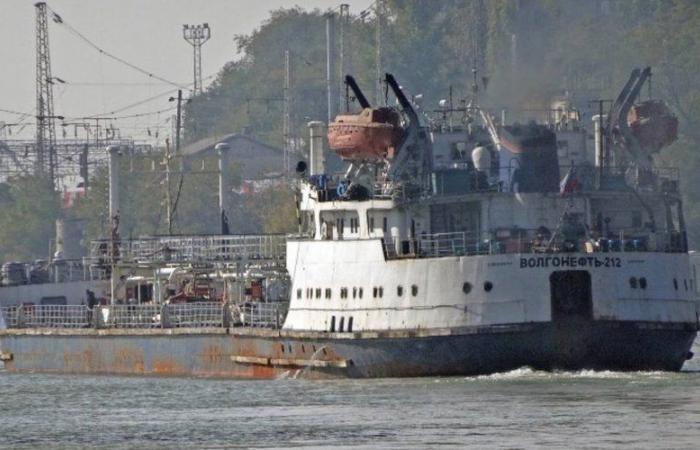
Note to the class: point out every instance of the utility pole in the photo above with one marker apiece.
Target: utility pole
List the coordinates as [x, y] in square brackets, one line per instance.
[379, 13]
[197, 35]
[168, 200]
[330, 62]
[45, 125]
[179, 121]
[286, 113]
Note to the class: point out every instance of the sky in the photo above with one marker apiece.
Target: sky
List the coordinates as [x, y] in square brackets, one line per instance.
[146, 33]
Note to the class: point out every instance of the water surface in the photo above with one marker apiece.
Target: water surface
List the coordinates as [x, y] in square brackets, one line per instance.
[518, 409]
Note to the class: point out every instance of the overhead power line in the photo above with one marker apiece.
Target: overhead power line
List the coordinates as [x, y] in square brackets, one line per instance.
[59, 20]
[19, 113]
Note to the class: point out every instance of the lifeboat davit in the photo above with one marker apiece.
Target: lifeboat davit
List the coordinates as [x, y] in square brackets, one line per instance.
[371, 135]
[653, 124]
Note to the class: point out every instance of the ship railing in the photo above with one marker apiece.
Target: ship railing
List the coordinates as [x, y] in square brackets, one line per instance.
[194, 315]
[46, 316]
[261, 314]
[55, 271]
[129, 316]
[195, 248]
[519, 240]
[144, 316]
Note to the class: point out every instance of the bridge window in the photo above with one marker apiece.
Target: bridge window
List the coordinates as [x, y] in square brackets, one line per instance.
[374, 292]
[381, 291]
[350, 324]
[643, 283]
[318, 292]
[414, 290]
[371, 224]
[341, 325]
[332, 324]
[344, 292]
[328, 293]
[299, 293]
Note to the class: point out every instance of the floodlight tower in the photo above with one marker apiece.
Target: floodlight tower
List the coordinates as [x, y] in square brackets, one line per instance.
[197, 35]
[45, 119]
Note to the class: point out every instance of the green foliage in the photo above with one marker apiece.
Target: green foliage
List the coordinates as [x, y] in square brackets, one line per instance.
[529, 50]
[29, 210]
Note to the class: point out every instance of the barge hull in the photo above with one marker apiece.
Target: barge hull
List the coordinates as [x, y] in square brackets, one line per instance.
[266, 354]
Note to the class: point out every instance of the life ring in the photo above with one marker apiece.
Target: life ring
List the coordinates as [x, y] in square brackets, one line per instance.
[342, 189]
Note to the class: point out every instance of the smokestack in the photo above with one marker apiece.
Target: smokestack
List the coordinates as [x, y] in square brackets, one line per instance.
[317, 161]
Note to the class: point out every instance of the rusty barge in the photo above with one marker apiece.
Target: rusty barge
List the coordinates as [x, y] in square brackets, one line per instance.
[445, 248]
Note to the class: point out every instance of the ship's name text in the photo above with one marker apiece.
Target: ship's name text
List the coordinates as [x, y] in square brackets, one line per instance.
[569, 261]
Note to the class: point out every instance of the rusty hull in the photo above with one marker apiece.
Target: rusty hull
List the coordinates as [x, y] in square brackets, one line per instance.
[258, 353]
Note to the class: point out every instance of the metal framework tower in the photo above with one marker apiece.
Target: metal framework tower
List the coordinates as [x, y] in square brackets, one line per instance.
[45, 123]
[197, 35]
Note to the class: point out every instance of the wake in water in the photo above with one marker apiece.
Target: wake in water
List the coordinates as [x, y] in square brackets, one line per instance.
[527, 373]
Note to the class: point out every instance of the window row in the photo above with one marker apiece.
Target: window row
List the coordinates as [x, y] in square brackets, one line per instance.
[341, 325]
[356, 292]
[687, 284]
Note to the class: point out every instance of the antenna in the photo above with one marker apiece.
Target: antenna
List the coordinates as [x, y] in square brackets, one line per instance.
[197, 35]
[45, 124]
[286, 114]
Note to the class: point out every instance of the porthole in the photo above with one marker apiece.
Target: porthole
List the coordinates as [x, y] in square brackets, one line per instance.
[466, 287]
[399, 291]
[633, 283]
[643, 283]
[488, 286]
[414, 290]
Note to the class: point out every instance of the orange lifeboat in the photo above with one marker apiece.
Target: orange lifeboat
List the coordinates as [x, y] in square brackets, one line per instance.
[371, 135]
